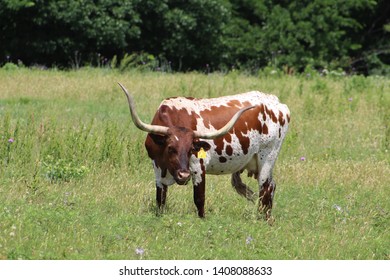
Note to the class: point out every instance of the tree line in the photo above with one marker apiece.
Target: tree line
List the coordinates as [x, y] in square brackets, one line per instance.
[203, 35]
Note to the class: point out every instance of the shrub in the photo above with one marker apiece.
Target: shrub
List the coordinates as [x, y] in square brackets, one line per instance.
[139, 61]
[9, 66]
[62, 170]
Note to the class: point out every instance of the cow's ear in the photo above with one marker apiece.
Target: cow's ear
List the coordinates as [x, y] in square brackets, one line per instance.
[201, 144]
[158, 139]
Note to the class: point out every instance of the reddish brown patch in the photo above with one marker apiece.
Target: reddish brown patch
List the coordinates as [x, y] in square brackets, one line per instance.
[219, 145]
[246, 104]
[238, 104]
[265, 129]
[216, 117]
[245, 141]
[228, 138]
[220, 142]
[288, 118]
[262, 109]
[281, 119]
[273, 116]
[266, 110]
[229, 150]
[167, 116]
[248, 121]
[219, 116]
[234, 103]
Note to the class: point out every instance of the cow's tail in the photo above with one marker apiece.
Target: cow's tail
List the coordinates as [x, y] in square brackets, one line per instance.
[241, 188]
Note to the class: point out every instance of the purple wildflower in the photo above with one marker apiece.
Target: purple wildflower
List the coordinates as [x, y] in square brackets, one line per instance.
[248, 240]
[303, 158]
[350, 99]
[139, 251]
[11, 140]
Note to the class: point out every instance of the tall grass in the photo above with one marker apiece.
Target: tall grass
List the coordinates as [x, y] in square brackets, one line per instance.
[76, 183]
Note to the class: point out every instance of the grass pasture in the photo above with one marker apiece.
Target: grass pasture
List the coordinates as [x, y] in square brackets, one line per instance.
[76, 183]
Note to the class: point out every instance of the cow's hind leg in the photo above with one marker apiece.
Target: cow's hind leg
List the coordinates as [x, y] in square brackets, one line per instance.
[161, 198]
[241, 188]
[266, 195]
[267, 185]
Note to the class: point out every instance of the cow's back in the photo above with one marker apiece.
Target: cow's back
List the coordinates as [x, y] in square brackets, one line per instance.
[210, 114]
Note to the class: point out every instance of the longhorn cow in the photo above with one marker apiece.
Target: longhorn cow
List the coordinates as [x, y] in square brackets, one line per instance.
[190, 137]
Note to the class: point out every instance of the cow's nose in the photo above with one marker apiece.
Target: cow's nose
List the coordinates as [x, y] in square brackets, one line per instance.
[183, 176]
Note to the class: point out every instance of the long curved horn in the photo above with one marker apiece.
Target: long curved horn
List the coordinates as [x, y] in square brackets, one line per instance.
[154, 129]
[222, 131]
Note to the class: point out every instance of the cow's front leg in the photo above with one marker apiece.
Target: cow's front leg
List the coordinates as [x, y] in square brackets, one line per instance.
[199, 197]
[199, 181]
[161, 197]
[198, 172]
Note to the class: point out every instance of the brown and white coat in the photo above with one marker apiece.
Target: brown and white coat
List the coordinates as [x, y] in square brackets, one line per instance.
[252, 143]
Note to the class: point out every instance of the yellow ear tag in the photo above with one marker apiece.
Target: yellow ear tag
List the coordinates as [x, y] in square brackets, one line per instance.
[202, 153]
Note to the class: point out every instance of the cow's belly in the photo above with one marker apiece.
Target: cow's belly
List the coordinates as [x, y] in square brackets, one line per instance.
[212, 165]
[238, 159]
[228, 165]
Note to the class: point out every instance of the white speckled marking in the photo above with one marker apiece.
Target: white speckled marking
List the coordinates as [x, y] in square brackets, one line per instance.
[167, 180]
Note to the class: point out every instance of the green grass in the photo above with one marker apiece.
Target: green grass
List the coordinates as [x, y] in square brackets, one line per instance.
[76, 182]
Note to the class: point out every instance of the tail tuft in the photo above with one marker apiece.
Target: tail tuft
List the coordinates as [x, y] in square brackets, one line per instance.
[241, 188]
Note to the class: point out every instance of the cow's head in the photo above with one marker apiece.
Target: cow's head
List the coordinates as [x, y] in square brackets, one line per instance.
[176, 148]
[177, 144]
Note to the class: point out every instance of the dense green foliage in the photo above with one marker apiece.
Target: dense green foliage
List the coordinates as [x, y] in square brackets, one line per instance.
[203, 35]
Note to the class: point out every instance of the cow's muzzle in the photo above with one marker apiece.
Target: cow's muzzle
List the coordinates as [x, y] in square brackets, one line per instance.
[182, 177]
